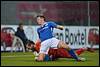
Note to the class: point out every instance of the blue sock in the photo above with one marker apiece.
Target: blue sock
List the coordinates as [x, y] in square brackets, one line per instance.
[72, 53]
[46, 58]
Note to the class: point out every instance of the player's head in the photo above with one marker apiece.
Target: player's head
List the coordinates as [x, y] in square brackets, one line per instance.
[31, 45]
[40, 19]
[21, 26]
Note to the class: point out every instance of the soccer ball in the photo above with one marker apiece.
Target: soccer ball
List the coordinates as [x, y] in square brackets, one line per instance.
[35, 53]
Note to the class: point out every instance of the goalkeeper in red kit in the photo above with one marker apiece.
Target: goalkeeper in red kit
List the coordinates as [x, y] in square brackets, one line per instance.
[53, 53]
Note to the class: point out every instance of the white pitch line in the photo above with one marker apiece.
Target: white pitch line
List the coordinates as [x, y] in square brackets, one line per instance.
[18, 56]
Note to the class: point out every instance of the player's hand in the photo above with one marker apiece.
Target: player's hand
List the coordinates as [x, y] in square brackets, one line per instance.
[60, 27]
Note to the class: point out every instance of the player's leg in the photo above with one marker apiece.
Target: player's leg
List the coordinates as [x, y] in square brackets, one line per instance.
[80, 51]
[53, 53]
[41, 53]
[43, 50]
[63, 53]
[44, 57]
[66, 54]
[41, 57]
[61, 44]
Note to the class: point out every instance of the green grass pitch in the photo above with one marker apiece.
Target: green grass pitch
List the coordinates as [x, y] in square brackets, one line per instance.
[27, 59]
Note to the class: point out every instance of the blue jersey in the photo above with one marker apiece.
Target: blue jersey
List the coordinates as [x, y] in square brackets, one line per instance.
[46, 31]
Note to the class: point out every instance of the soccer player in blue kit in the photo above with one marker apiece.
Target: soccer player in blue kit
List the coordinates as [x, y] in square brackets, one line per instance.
[45, 33]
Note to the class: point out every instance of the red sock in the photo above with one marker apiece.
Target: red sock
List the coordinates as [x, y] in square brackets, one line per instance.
[80, 51]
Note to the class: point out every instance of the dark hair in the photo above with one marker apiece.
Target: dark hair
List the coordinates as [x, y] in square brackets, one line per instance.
[20, 24]
[41, 16]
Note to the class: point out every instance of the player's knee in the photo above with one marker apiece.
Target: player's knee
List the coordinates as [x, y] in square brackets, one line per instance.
[63, 45]
[40, 57]
[59, 44]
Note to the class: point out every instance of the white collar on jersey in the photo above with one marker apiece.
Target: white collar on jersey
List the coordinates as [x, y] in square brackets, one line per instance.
[43, 24]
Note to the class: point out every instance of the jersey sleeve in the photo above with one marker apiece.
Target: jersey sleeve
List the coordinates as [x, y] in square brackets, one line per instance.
[53, 24]
[38, 44]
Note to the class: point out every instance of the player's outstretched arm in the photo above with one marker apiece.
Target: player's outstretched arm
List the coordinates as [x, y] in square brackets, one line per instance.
[60, 27]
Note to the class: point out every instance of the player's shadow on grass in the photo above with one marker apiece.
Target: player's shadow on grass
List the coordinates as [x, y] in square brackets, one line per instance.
[70, 60]
[28, 60]
[58, 60]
